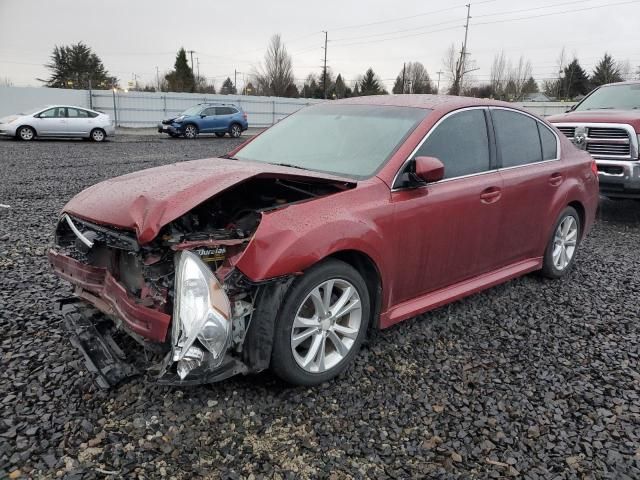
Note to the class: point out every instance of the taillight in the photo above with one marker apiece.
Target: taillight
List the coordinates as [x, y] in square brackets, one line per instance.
[244, 115]
[594, 168]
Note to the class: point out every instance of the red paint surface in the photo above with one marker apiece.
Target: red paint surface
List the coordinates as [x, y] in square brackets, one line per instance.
[431, 244]
[631, 117]
[100, 288]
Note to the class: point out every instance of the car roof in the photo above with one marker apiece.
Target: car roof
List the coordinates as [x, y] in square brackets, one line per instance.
[432, 102]
[69, 106]
[626, 82]
[219, 104]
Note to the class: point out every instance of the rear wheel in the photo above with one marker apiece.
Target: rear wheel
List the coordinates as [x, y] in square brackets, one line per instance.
[190, 131]
[561, 250]
[26, 133]
[97, 135]
[235, 130]
[323, 321]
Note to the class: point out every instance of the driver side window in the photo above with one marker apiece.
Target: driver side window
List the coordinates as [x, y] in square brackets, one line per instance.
[209, 111]
[461, 143]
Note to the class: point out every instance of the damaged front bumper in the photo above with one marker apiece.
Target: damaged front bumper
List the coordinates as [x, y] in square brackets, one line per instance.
[95, 336]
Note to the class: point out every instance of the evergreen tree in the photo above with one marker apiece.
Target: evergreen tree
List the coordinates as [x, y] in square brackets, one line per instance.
[340, 89]
[530, 86]
[398, 87]
[370, 84]
[76, 66]
[575, 81]
[228, 88]
[181, 79]
[606, 71]
[249, 89]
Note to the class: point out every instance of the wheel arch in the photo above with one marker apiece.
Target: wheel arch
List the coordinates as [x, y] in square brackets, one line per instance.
[370, 272]
[579, 207]
[35, 131]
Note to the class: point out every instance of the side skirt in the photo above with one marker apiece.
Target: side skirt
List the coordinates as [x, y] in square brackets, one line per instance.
[432, 300]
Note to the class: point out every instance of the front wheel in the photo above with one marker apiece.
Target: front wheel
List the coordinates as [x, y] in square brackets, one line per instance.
[190, 132]
[561, 250]
[323, 321]
[235, 131]
[26, 133]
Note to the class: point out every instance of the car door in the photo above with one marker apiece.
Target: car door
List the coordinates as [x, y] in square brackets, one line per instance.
[223, 118]
[208, 120]
[447, 231]
[78, 122]
[51, 122]
[527, 152]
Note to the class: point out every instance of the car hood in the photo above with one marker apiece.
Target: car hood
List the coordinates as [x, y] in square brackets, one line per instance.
[631, 117]
[8, 119]
[147, 200]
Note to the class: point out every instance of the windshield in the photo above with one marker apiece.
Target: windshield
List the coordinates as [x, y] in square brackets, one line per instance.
[195, 110]
[619, 97]
[351, 140]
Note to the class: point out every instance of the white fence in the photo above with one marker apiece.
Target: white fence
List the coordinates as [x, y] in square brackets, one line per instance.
[146, 109]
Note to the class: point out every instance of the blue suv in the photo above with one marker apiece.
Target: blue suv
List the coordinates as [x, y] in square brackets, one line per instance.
[218, 118]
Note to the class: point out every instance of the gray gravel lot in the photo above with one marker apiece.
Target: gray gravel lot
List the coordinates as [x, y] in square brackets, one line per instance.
[534, 378]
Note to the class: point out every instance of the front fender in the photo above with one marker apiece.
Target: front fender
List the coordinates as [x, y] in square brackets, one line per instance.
[290, 240]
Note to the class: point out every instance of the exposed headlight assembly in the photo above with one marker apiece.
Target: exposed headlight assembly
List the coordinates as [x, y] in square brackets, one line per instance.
[178, 119]
[202, 312]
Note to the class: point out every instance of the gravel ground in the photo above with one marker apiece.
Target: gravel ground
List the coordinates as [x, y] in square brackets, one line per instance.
[534, 378]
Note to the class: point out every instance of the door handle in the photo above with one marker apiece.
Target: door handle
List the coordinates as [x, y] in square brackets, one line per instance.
[490, 195]
[556, 179]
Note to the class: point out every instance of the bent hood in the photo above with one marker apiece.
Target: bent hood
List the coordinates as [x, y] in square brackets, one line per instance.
[630, 117]
[147, 200]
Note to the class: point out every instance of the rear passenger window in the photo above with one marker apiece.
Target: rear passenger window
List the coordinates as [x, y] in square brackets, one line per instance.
[224, 111]
[517, 138]
[461, 143]
[549, 143]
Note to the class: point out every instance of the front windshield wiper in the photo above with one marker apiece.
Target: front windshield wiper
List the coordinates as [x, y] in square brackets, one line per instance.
[289, 165]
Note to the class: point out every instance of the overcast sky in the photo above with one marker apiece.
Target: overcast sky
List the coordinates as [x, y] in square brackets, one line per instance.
[135, 37]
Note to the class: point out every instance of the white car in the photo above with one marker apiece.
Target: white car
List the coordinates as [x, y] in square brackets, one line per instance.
[58, 121]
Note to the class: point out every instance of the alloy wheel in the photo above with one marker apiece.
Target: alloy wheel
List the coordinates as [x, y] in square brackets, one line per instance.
[97, 135]
[565, 241]
[326, 325]
[190, 131]
[235, 131]
[26, 133]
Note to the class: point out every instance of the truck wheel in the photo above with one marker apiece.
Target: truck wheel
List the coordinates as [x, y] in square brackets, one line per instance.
[561, 250]
[322, 323]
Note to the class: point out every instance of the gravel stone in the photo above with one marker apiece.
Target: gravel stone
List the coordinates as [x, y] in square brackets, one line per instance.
[534, 378]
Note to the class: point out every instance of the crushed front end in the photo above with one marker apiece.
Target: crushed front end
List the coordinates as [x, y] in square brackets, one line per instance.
[176, 308]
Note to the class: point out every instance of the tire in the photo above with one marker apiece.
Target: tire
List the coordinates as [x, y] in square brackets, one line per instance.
[323, 348]
[190, 131]
[26, 133]
[97, 135]
[560, 254]
[235, 130]
[219, 134]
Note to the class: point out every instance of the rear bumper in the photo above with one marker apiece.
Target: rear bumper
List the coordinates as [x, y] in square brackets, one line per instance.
[110, 130]
[619, 178]
[97, 286]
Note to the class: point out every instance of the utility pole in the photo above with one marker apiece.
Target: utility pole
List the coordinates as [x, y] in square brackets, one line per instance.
[324, 71]
[463, 53]
[198, 64]
[235, 80]
[404, 66]
[191, 52]
[158, 77]
[439, 73]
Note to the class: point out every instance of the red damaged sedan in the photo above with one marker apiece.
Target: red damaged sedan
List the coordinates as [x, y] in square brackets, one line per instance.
[344, 217]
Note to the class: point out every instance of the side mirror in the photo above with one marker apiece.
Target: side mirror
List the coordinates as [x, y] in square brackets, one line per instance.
[571, 108]
[429, 169]
[202, 115]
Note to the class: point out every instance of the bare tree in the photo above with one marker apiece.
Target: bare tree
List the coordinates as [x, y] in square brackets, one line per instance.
[498, 76]
[517, 78]
[456, 66]
[6, 82]
[275, 76]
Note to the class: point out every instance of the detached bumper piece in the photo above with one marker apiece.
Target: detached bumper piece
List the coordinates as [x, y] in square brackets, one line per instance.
[102, 356]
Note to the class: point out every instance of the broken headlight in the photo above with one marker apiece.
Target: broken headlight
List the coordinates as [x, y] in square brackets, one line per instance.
[202, 312]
